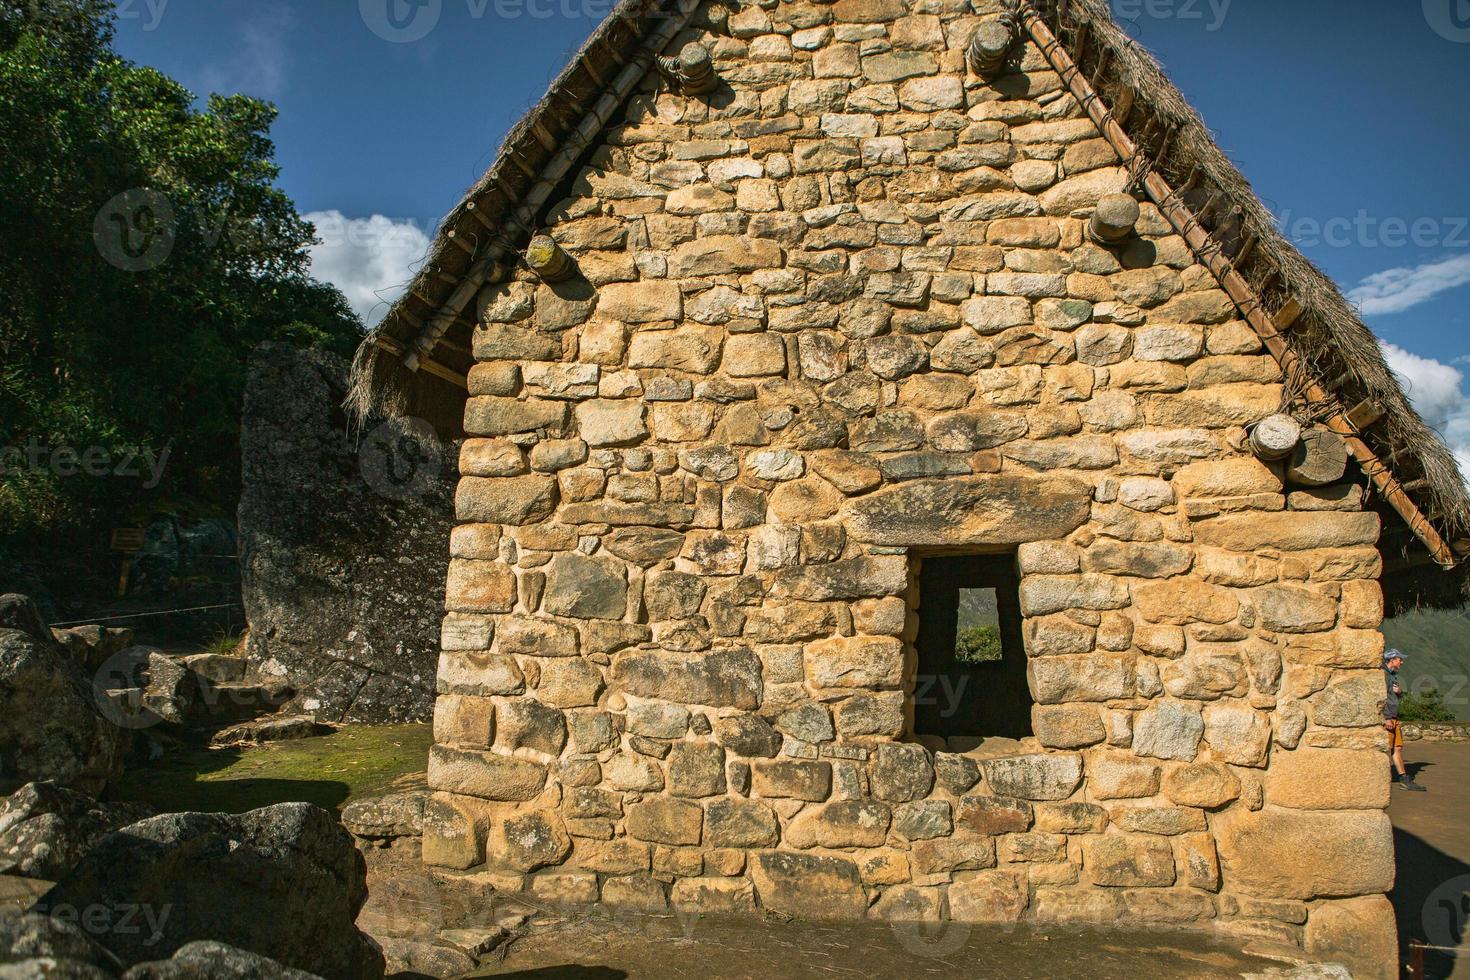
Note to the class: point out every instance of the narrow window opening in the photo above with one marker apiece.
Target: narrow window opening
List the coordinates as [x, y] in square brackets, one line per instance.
[971, 679]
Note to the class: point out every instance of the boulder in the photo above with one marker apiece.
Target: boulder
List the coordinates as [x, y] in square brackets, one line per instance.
[342, 542]
[50, 723]
[30, 938]
[284, 882]
[45, 829]
[206, 960]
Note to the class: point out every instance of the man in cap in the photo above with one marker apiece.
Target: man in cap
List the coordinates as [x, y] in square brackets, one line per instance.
[1392, 661]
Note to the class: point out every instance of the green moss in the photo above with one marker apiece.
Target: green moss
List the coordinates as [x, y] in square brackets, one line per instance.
[329, 770]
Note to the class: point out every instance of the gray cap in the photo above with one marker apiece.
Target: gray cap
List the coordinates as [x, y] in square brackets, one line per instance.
[1392, 654]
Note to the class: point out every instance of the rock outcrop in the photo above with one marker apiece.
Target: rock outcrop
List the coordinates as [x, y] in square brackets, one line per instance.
[343, 544]
[45, 829]
[50, 723]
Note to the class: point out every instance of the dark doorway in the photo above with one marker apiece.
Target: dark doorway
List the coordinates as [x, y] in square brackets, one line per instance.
[972, 661]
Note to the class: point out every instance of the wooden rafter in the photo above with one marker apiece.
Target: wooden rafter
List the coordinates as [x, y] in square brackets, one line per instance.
[1240, 291]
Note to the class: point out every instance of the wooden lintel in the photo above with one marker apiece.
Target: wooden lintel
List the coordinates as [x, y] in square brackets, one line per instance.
[1366, 414]
[1240, 291]
[1288, 315]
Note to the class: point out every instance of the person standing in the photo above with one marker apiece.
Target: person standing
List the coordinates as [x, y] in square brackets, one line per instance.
[1392, 661]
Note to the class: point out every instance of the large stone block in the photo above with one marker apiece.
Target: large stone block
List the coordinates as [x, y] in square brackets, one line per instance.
[991, 815]
[1358, 932]
[640, 302]
[792, 779]
[666, 820]
[989, 896]
[1130, 861]
[585, 588]
[719, 678]
[1328, 779]
[1034, 777]
[740, 823]
[1168, 730]
[487, 775]
[1090, 677]
[1304, 854]
[854, 578]
[527, 841]
[1292, 609]
[808, 886]
[1000, 509]
[1288, 531]
[490, 416]
[1185, 601]
[480, 586]
[855, 661]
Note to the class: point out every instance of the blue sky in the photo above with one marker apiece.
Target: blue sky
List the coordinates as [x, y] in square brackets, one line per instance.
[1347, 115]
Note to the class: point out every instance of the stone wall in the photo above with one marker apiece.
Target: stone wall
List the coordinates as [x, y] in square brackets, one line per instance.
[837, 318]
[1457, 731]
[342, 544]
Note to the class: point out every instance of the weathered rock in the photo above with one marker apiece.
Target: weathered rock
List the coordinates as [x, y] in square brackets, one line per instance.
[808, 886]
[583, 587]
[721, 678]
[50, 725]
[215, 961]
[284, 882]
[386, 817]
[1034, 777]
[342, 542]
[45, 829]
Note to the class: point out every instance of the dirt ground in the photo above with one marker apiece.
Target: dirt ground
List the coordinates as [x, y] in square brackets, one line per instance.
[596, 948]
[1432, 835]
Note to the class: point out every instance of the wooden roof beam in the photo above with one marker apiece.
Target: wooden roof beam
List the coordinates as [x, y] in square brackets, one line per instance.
[1188, 226]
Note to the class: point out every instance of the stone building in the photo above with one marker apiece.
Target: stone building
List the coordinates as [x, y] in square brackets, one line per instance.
[786, 335]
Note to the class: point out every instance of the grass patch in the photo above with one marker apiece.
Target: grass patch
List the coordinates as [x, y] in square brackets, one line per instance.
[329, 770]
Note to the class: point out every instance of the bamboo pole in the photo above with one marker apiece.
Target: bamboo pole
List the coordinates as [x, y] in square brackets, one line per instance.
[1236, 287]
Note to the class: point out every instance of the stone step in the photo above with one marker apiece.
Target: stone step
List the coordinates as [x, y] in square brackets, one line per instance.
[217, 667]
[277, 728]
[222, 703]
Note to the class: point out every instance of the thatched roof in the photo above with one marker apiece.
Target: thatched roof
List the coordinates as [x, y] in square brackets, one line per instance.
[1351, 382]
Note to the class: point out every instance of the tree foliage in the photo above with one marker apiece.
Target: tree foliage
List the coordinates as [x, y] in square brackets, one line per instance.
[126, 321]
[1426, 707]
[977, 644]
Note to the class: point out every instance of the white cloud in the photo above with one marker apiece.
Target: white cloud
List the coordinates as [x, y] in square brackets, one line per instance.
[257, 64]
[1396, 290]
[372, 260]
[1437, 391]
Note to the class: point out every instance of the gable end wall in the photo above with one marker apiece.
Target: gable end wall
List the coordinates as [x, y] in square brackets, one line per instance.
[840, 315]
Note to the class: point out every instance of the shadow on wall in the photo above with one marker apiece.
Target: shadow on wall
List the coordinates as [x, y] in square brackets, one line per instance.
[1430, 900]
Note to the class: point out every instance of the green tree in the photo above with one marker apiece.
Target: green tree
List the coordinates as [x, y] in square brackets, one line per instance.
[144, 251]
[977, 644]
[1426, 707]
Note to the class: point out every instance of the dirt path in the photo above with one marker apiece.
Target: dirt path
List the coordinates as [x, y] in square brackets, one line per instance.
[1432, 835]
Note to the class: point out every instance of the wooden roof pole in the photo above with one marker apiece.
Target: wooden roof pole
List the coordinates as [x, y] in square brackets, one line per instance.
[490, 266]
[1234, 284]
